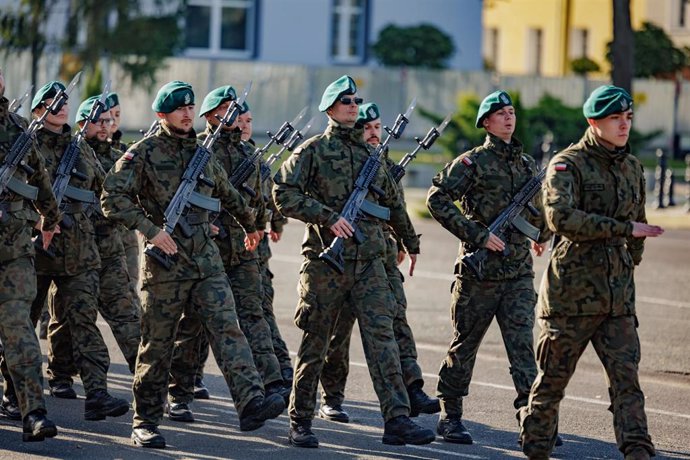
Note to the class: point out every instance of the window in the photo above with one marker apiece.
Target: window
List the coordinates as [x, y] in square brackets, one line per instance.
[534, 51]
[578, 43]
[220, 28]
[491, 48]
[348, 31]
[684, 14]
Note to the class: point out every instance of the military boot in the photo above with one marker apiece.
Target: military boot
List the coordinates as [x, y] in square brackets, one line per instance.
[200, 390]
[100, 404]
[334, 413]
[280, 389]
[301, 435]
[9, 407]
[62, 390]
[148, 436]
[452, 430]
[638, 453]
[402, 430]
[179, 412]
[37, 427]
[420, 402]
[261, 409]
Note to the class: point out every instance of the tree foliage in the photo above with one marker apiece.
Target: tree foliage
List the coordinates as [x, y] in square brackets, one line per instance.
[583, 66]
[416, 46]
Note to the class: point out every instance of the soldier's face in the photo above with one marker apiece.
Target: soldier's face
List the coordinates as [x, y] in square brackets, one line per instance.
[372, 132]
[101, 129]
[115, 115]
[53, 122]
[180, 120]
[345, 114]
[613, 130]
[244, 122]
[218, 112]
[501, 123]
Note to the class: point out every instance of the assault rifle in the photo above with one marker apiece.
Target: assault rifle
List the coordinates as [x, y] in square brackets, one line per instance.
[152, 129]
[357, 204]
[398, 171]
[185, 196]
[288, 145]
[508, 219]
[21, 146]
[239, 176]
[17, 103]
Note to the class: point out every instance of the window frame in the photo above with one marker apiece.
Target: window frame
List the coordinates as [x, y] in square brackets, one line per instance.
[214, 49]
[343, 37]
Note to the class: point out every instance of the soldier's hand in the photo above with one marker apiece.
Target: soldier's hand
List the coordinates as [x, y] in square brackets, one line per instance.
[165, 243]
[342, 228]
[275, 236]
[494, 243]
[538, 248]
[251, 241]
[641, 230]
[215, 230]
[401, 256]
[413, 262]
[48, 236]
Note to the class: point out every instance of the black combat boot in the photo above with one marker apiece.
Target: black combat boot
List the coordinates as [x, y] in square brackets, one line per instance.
[100, 404]
[637, 453]
[401, 430]
[279, 388]
[148, 436]
[37, 427]
[62, 390]
[334, 413]
[179, 412]
[420, 402]
[452, 430]
[301, 435]
[200, 390]
[9, 407]
[288, 375]
[261, 409]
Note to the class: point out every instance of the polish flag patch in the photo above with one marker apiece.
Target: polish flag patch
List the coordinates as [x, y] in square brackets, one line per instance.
[560, 167]
[466, 161]
[128, 156]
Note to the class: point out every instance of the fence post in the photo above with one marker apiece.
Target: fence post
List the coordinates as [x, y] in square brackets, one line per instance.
[660, 178]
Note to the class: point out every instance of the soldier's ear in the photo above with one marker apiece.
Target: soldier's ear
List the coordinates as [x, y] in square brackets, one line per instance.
[592, 122]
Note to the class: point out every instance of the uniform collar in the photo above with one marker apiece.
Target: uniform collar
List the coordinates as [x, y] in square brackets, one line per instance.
[164, 131]
[233, 136]
[56, 140]
[509, 151]
[596, 149]
[353, 135]
[102, 148]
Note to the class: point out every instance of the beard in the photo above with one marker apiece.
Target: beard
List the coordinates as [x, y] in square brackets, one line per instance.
[179, 131]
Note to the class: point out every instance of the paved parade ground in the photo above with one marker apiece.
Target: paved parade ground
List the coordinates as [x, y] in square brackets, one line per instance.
[663, 294]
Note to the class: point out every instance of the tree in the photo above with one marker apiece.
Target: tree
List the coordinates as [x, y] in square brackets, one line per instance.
[621, 55]
[655, 54]
[583, 66]
[416, 46]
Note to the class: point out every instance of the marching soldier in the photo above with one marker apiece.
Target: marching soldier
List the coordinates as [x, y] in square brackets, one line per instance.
[336, 366]
[21, 358]
[313, 186]
[484, 181]
[594, 197]
[136, 192]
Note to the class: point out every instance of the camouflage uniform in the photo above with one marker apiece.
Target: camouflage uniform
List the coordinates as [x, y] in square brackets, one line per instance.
[21, 359]
[483, 181]
[74, 271]
[591, 196]
[337, 364]
[196, 285]
[115, 304]
[242, 269]
[313, 186]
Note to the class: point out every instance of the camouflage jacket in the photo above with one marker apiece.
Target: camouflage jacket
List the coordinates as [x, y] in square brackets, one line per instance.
[314, 184]
[108, 234]
[591, 197]
[139, 188]
[484, 181]
[276, 219]
[75, 248]
[230, 152]
[17, 215]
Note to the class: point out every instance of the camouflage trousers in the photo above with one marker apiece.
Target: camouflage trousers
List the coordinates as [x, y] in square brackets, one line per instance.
[131, 242]
[474, 304]
[323, 295]
[337, 364]
[74, 306]
[117, 308]
[245, 281]
[562, 341]
[21, 357]
[209, 301]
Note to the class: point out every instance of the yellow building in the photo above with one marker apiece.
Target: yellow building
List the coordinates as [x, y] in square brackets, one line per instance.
[542, 37]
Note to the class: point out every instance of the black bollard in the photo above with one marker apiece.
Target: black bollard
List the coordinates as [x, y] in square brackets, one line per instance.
[660, 178]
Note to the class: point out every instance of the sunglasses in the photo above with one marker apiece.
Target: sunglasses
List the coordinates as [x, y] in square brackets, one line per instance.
[348, 100]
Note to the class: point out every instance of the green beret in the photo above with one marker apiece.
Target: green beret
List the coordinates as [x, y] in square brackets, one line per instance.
[216, 98]
[173, 95]
[245, 108]
[368, 113]
[606, 100]
[492, 103]
[47, 91]
[113, 100]
[85, 107]
[343, 85]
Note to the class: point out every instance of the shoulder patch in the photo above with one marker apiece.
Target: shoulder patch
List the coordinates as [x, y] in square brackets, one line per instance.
[128, 155]
[560, 167]
[467, 161]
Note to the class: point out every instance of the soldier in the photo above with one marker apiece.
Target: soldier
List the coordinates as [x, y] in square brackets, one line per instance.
[114, 303]
[136, 192]
[594, 197]
[73, 269]
[313, 186]
[241, 266]
[336, 366]
[21, 358]
[484, 180]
